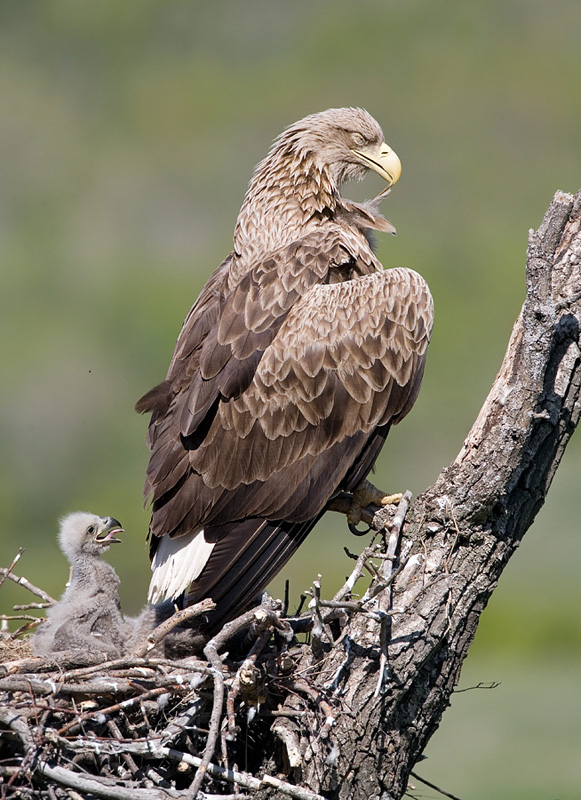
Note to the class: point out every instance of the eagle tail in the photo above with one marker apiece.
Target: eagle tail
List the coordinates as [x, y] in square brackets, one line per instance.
[245, 558]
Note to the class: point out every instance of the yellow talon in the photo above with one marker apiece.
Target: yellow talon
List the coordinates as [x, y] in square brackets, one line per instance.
[365, 495]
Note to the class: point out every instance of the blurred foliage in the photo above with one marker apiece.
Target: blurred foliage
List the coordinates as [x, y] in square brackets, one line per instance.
[127, 138]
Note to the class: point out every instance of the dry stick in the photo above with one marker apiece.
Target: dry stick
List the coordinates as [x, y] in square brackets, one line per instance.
[15, 560]
[301, 686]
[41, 664]
[17, 723]
[319, 627]
[387, 574]
[185, 614]
[128, 662]
[433, 786]
[116, 707]
[150, 749]
[259, 615]
[100, 786]
[136, 771]
[128, 759]
[54, 684]
[8, 574]
[245, 669]
[347, 587]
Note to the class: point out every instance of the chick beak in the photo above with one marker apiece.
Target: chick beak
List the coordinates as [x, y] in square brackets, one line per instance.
[107, 534]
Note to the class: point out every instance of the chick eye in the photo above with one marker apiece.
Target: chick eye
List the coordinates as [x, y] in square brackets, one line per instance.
[91, 529]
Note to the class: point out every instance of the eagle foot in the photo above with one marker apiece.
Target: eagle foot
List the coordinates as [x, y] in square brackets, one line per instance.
[365, 495]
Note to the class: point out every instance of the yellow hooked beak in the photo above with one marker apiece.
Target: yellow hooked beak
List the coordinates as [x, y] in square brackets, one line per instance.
[383, 160]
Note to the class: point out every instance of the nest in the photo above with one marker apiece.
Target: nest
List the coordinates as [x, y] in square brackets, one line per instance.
[204, 726]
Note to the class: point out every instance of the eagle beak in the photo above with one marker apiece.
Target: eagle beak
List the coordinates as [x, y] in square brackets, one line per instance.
[383, 160]
[107, 534]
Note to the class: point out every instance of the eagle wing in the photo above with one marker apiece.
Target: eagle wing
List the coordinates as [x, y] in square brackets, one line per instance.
[281, 392]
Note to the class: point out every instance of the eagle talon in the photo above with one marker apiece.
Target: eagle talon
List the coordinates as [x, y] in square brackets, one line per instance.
[366, 495]
[354, 530]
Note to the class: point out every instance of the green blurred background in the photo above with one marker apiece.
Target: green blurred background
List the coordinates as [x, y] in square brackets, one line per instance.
[128, 134]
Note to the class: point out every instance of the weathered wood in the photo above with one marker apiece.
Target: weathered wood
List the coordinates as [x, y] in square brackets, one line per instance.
[464, 529]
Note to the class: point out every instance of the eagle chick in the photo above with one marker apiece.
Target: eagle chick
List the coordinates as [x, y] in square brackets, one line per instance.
[88, 615]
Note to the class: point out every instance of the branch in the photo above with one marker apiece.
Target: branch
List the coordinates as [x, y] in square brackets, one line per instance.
[6, 573]
[177, 618]
[462, 532]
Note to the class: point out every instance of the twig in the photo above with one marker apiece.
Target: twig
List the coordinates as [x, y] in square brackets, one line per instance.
[481, 685]
[17, 723]
[187, 665]
[151, 749]
[7, 573]
[319, 626]
[124, 704]
[347, 587]
[127, 758]
[433, 786]
[246, 675]
[179, 617]
[102, 787]
[15, 560]
[387, 576]
[245, 780]
[259, 615]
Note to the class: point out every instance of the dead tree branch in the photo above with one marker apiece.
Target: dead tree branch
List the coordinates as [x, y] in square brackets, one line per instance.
[463, 531]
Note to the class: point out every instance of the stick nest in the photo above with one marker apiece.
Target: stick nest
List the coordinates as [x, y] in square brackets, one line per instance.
[143, 727]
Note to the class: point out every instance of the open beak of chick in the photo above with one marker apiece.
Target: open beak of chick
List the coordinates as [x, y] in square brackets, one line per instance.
[107, 531]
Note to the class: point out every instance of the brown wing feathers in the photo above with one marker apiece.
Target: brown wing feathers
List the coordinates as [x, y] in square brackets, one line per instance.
[287, 374]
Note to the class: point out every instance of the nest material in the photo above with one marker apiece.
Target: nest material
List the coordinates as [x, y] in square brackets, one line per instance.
[142, 724]
[144, 727]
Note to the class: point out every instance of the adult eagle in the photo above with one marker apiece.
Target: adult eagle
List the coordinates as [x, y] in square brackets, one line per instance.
[295, 360]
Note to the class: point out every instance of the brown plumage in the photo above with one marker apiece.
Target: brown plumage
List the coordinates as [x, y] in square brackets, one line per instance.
[291, 366]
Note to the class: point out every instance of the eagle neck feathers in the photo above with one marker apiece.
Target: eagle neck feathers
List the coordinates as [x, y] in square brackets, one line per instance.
[287, 193]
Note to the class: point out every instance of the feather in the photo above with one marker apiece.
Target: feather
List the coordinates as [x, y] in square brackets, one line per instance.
[176, 563]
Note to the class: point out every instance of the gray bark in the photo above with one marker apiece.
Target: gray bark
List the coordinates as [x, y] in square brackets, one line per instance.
[464, 529]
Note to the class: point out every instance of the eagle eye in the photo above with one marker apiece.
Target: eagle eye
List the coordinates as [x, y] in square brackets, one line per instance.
[91, 529]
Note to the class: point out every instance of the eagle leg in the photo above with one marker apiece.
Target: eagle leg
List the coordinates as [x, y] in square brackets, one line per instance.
[365, 495]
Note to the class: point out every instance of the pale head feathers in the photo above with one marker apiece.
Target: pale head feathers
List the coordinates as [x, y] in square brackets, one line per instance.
[323, 144]
[82, 533]
[299, 179]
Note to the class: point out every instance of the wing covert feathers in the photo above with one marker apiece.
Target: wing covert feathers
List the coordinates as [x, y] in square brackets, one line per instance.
[346, 358]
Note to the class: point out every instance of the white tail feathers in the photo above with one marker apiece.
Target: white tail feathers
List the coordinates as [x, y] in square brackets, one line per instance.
[176, 563]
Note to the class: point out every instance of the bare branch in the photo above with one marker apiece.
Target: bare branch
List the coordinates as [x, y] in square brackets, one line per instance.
[178, 618]
[25, 583]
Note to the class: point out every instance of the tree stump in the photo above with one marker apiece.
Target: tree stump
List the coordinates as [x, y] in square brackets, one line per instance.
[463, 530]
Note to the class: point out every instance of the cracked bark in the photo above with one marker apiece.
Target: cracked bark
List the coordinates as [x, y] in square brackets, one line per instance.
[464, 529]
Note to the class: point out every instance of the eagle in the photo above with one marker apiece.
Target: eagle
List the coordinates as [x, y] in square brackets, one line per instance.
[290, 368]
